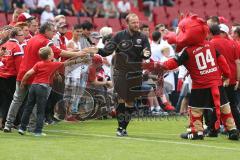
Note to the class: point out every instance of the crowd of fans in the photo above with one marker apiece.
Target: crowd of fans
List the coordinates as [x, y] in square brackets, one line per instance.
[95, 8]
[91, 8]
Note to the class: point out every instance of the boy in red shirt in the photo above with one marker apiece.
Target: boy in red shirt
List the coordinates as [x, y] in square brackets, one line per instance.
[40, 88]
[96, 75]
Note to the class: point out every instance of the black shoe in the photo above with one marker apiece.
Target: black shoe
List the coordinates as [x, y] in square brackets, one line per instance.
[121, 132]
[211, 133]
[233, 134]
[192, 136]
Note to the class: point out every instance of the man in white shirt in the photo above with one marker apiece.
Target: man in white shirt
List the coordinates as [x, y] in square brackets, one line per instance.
[31, 4]
[47, 15]
[42, 3]
[155, 46]
[123, 8]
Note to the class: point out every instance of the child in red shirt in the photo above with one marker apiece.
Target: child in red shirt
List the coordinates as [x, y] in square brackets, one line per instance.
[40, 88]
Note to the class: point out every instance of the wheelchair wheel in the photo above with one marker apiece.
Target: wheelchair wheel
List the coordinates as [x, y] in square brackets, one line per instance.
[99, 106]
[86, 105]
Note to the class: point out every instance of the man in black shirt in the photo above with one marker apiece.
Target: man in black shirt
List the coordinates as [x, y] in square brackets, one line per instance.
[131, 48]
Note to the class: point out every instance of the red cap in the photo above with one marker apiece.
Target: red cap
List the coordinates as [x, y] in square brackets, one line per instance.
[23, 17]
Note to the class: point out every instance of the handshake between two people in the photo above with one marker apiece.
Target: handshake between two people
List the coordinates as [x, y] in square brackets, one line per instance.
[153, 66]
[84, 56]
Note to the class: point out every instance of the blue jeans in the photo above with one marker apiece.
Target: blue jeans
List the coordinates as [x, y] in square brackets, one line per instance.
[38, 94]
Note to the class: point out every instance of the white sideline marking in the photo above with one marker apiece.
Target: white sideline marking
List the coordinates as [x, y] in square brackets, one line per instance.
[143, 140]
[71, 131]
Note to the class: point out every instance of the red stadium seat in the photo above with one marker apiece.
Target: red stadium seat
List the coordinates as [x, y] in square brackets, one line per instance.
[99, 23]
[9, 17]
[82, 19]
[234, 5]
[71, 20]
[196, 3]
[222, 5]
[3, 19]
[209, 13]
[210, 5]
[114, 23]
[159, 15]
[199, 12]
[57, 2]
[225, 14]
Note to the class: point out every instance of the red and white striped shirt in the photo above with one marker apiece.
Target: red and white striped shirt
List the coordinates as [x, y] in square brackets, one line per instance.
[11, 60]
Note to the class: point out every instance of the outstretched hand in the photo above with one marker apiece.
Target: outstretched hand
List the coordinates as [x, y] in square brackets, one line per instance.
[91, 50]
[153, 66]
[148, 65]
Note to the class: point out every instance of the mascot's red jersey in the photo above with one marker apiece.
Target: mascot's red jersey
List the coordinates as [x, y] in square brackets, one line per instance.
[201, 62]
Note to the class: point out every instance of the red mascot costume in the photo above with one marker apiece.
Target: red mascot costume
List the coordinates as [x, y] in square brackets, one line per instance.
[206, 67]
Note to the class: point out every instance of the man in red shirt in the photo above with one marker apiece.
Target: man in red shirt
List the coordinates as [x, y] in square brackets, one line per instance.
[30, 58]
[229, 49]
[9, 66]
[78, 8]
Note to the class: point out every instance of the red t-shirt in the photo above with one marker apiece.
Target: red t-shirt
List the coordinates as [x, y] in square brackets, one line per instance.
[78, 4]
[92, 74]
[31, 54]
[201, 62]
[238, 46]
[229, 50]
[11, 61]
[44, 70]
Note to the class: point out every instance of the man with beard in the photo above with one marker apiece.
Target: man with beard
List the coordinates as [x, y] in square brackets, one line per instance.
[131, 48]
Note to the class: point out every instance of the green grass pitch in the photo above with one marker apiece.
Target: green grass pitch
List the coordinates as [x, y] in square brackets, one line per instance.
[95, 140]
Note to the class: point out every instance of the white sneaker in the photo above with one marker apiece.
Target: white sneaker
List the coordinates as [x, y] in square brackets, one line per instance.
[6, 129]
[39, 134]
[20, 131]
[56, 116]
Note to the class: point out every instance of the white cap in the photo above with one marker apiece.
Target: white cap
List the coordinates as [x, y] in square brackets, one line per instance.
[224, 28]
[105, 31]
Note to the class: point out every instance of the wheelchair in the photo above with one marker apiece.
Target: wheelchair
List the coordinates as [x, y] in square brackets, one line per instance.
[94, 103]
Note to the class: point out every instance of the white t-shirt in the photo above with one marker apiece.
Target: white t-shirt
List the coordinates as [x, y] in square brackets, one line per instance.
[123, 7]
[31, 3]
[156, 51]
[43, 3]
[183, 73]
[76, 69]
[46, 16]
[169, 76]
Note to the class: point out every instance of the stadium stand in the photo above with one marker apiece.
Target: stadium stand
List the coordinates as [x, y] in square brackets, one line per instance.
[204, 8]
[162, 14]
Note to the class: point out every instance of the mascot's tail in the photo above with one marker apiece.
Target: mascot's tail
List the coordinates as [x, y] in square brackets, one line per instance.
[216, 101]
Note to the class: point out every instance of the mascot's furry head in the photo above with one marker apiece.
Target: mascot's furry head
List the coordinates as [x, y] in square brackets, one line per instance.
[192, 30]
